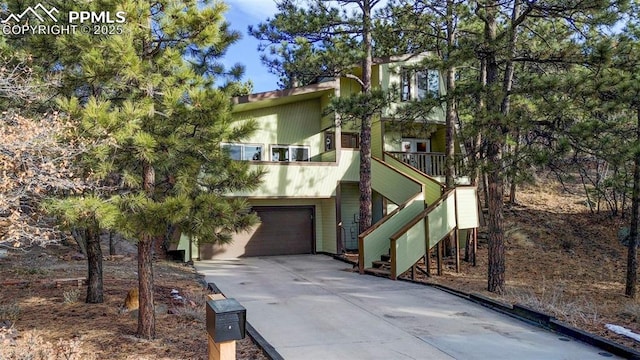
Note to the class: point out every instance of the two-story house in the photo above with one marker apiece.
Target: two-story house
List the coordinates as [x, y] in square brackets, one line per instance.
[308, 201]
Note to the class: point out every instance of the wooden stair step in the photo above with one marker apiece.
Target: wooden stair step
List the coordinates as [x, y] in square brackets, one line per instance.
[385, 257]
[378, 272]
[380, 264]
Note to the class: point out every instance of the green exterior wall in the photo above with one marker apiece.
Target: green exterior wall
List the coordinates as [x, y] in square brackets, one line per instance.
[305, 179]
[438, 142]
[327, 121]
[376, 241]
[392, 184]
[376, 138]
[410, 247]
[441, 220]
[349, 210]
[290, 124]
[392, 140]
[431, 187]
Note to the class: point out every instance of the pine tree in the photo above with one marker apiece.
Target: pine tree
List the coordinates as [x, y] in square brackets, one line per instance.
[514, 39]
[500, 50]
[609, 91]
[154, 102]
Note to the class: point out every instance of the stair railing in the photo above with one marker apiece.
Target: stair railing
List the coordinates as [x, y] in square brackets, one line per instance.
[412, 241]
[374, 242]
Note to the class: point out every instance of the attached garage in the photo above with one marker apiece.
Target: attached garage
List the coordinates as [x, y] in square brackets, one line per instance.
[283, 230]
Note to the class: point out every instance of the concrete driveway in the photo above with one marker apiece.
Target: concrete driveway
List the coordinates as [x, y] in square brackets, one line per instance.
[311, 307]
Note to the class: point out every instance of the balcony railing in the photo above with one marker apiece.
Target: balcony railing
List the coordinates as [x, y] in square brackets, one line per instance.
[432, 164]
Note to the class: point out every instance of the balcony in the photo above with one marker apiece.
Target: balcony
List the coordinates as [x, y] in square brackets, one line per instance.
[432, 164]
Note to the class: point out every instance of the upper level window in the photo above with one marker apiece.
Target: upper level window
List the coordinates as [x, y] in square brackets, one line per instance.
[347, 140]
[405, 85]
[251, 152]
[419, 84]
[289, 153]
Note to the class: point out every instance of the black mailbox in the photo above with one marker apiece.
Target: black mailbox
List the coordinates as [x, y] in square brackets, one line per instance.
[226, 320]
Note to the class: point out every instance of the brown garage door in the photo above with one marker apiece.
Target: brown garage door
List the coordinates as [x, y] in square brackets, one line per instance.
[282, 231]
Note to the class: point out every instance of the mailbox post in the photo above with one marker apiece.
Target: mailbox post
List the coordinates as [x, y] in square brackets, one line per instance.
[226, 323]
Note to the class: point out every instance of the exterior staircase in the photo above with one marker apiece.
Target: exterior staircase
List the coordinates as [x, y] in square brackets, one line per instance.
[426, 215]
[380, 267]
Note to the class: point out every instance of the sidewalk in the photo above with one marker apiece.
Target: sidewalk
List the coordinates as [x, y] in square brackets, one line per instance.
[309, 307]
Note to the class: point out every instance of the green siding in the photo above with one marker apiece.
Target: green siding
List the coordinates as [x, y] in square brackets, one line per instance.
[432, 188]
[304, 179]
[327, 121]
[349, 209]
[376, 241]
[327, 242]
[438, 140]
[329, 156]
[410, 247]
[392, 139]
[376, 139]
[375, 77]
[183, 244]
[349, 87]
[392, 184]
[442, 219]
[384, 77]
[290, 124]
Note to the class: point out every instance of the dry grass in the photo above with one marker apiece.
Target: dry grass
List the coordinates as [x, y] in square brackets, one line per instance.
[554, 301]
[71, 296]
[31, 346]
[47, 322]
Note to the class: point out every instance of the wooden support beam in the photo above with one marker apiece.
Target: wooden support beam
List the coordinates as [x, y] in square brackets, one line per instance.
[221, 351]
[440, 256]
[79, 281]
[456, 241]
[427, 261]
[475, 245]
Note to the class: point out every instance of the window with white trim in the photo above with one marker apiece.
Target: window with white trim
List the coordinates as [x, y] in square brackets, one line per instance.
[248, 152]
[289, 153]
[419, 84]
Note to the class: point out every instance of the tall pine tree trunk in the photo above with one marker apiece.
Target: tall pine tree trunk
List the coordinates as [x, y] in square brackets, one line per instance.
[146, 313]
[495, 141]
[95, 290]
[365, 129]
[632, 255]
[496, 270]
[112, 245]
[451, 116]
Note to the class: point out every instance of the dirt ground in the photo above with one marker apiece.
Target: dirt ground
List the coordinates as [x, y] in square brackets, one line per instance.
[561, 259]
[50, 322]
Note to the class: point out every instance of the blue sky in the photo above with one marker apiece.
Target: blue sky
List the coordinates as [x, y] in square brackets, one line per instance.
[241, 14]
